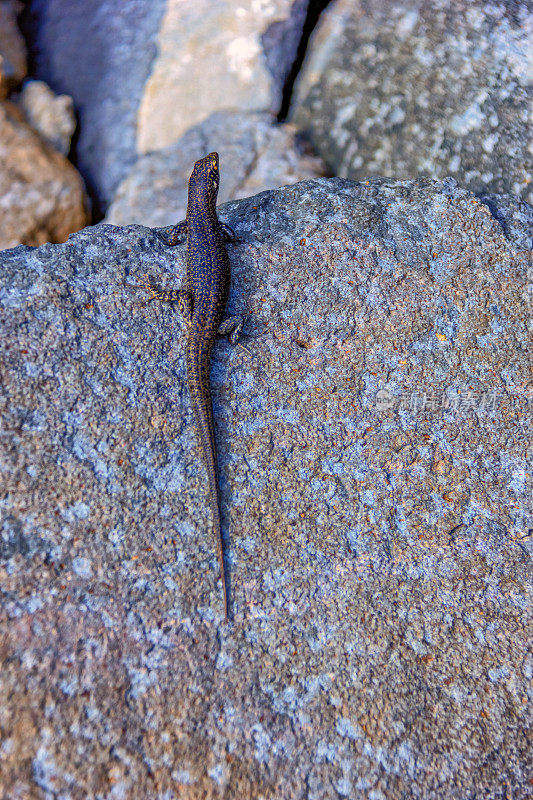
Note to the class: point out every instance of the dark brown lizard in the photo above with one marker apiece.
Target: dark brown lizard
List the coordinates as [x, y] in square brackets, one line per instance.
[202, 300]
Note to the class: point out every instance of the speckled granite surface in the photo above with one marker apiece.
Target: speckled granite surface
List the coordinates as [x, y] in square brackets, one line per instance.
[423, 87]
[376, 493]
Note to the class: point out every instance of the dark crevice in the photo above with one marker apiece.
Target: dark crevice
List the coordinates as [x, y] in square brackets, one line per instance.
[25, 19]
[314, 10]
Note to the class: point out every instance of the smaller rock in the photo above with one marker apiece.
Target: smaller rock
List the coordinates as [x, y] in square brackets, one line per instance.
[52, 116]
[42, 196]
[13, 66]
[255, 155]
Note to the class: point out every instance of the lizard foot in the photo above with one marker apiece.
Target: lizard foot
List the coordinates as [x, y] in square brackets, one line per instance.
[173, 235]
[232, 328]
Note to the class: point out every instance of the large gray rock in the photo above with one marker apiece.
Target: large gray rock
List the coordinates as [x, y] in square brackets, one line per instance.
[141, 74]
[416, 87]
[255, 155]
[376, 494]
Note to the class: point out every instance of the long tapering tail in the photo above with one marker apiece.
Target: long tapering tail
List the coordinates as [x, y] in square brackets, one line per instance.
[200, 392]
[215, 510]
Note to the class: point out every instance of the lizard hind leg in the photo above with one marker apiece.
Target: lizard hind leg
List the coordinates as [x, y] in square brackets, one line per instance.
[232, 328]
[186, 305]
[183, 297]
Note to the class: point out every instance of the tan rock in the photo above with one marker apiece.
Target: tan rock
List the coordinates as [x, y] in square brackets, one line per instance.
[52, 116]
[168, 65]
[42, 197]
[209, 57]
[13, 66]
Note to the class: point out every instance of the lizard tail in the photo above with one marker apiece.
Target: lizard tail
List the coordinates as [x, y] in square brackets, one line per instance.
[215, 508]
[203, 412]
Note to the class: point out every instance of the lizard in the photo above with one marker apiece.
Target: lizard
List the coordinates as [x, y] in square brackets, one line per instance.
[202, 301]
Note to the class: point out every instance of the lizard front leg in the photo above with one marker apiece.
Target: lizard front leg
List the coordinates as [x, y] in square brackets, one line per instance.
[173, 235]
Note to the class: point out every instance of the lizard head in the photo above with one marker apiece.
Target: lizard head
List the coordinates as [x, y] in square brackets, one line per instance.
[204, 180]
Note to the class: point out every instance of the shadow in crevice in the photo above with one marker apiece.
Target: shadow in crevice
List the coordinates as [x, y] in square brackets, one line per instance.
[285, 45]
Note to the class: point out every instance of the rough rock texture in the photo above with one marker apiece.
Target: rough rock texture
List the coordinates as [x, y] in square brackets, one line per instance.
[42, 197]
[415, 87]
[99, 53]
[50, 115]
[255, 155]
[13, 67]
[376, 496]
[146, 72]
